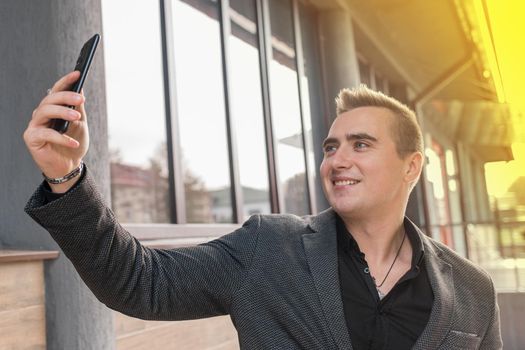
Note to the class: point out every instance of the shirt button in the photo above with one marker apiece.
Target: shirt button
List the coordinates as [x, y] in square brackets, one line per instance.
[366, 270]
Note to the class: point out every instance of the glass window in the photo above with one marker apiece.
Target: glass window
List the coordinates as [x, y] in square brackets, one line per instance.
[286, 117]
[399, 92]
[506, 185]
[438, 196]
[137, 132]
[364, 73]
[311, 96]
[384, 86]
[201, 111]
[247, 108]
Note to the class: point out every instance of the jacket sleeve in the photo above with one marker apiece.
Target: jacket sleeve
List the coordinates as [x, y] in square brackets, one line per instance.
[184, 283]
[492, 339]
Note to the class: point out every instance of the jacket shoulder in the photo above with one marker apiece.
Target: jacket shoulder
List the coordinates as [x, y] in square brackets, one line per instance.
[464, 270]
[283, 223]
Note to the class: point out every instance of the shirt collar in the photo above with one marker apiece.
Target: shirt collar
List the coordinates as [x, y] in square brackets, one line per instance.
[347, 243]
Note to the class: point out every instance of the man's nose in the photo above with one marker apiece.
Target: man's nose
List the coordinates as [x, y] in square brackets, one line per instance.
[342, 159]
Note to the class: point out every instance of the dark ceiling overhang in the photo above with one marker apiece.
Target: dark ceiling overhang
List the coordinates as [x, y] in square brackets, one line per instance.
[485, 126]
[416, 42]
[495, 153]
[434, 48]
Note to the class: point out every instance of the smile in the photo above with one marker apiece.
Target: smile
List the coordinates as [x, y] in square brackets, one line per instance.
[346, 182]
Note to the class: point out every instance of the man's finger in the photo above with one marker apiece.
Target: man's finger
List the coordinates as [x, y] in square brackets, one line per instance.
[81, 107]
[44, 113]
[38, 137]
[65, 98]
[65, 82]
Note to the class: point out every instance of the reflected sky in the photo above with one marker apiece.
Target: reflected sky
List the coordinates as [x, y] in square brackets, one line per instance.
[246, 106]
[246, 110]
[134, 86]
[136, 98]
[200, 95]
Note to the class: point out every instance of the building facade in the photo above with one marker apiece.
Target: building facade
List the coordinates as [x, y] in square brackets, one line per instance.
[205, 112]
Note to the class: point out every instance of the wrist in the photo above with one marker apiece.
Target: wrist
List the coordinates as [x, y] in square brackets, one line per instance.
[63, 188]
[64, 183]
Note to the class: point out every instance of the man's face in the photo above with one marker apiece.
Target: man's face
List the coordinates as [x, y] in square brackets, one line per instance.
[362, 174]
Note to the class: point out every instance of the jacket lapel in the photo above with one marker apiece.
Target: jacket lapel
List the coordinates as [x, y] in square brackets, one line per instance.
[442, 283]
[321, 253]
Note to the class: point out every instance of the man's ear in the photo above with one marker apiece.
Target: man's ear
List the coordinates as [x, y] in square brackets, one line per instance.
[414, 165]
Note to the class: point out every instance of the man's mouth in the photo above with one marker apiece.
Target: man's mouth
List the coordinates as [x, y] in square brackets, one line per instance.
[345, 182]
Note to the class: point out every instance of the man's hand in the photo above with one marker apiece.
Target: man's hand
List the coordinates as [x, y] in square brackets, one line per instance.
[58, 154]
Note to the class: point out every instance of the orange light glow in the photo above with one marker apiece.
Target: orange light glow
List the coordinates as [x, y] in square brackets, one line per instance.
[507, 26]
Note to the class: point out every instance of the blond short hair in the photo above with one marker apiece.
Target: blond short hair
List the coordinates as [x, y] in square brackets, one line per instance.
[405, 129]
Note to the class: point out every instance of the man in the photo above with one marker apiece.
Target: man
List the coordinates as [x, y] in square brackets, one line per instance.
[357, 276]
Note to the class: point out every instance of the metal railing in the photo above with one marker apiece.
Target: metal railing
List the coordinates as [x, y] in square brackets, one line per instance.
[496, 246]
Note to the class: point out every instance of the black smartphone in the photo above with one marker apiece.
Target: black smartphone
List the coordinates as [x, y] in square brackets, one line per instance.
[83, 63]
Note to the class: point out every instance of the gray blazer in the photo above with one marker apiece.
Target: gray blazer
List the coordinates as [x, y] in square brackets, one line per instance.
[276, 276]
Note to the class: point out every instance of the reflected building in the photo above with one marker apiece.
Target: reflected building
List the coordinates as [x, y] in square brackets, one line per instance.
[296, 197]
[198, 200]
[255, 202]
[142, 196]
[139, 195]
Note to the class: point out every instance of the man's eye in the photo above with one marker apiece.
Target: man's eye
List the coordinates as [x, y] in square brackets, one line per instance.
[360, 145]
[329, 148]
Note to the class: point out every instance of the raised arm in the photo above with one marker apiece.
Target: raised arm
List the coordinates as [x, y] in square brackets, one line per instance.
[183, 283]
[59, 154]
[148, 283]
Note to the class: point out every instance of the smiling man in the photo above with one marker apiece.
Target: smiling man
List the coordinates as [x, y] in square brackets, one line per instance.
[359, 275]
[373, 159]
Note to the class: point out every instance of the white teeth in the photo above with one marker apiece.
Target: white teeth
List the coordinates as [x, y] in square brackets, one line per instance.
[345, 182]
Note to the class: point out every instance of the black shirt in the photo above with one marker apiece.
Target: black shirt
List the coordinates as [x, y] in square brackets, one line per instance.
[397, 320]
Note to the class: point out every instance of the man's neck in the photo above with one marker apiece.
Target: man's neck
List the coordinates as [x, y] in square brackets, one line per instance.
[378, 238]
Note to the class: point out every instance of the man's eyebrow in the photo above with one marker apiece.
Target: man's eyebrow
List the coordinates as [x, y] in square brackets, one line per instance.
[329, 141]
[360, 136]
[350, 137]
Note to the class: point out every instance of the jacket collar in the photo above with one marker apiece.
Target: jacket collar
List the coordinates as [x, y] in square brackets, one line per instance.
[442, 282]
[321, 252]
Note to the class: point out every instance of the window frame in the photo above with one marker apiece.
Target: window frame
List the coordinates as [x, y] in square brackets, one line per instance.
[179, 232]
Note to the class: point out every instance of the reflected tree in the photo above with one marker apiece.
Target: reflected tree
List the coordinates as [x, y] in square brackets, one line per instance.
[295, 195]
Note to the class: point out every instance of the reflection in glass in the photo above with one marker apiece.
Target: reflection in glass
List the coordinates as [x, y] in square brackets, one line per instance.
[364, 73]
[201, 111]
[311, 96]
[286, 117]
[137, 132]
[246, 108]
[438, 196]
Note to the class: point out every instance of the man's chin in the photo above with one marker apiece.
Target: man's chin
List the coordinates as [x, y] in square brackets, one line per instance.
[344, 210]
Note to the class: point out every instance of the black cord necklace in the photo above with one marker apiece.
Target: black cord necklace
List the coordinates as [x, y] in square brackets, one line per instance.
[381, 295]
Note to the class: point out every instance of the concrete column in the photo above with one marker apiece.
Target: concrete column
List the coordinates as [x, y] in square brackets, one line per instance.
[39, 43]
[339, 53]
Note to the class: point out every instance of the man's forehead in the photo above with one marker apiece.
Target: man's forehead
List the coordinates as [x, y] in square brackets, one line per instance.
[363, 123]
[362, 120]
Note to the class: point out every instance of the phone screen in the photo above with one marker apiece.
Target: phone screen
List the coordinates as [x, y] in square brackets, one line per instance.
[83, 63]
